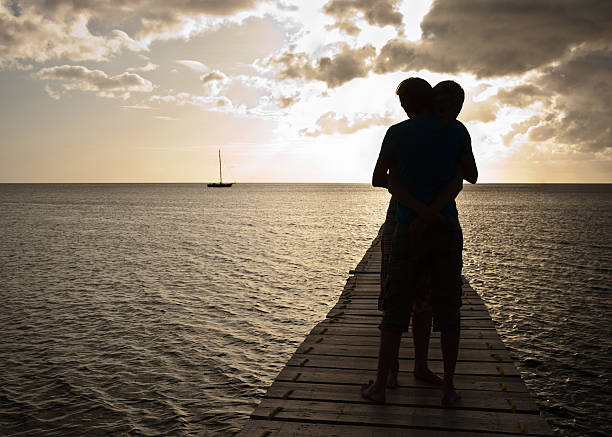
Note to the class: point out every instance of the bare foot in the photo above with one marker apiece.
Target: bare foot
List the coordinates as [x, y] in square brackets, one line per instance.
[427, 376]
[392, 376]
[372, 393]
[450, 397]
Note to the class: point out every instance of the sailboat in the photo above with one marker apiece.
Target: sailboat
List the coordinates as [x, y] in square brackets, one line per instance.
[220, 183]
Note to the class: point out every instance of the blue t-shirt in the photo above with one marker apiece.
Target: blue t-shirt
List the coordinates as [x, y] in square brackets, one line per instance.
[425, 150]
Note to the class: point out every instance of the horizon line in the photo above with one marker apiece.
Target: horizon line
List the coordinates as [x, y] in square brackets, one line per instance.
[287, 183]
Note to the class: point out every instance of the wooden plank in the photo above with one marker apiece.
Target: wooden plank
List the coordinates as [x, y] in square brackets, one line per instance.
[434, 342]
[463, 367]
[375, 320]
[371, 351]
[269, 428]
[400, 416]
[373, 331]
[374, 287]
[373, 293]
[426, 396]
[362, 311]
[368, 296]
[371, 304]
[511, 383]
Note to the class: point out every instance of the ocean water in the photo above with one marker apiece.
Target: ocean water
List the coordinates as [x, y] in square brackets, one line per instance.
[167, 309]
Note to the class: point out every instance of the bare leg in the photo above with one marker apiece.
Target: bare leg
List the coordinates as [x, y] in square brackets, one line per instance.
[387, 355]
[421, 331]
[392, 376]
[450, 350]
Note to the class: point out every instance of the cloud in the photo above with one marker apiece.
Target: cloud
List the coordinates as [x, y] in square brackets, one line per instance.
[14, 7]
[193, 65]
[484, 111]
[148, 7]
[214, 83]
[76, 77]
[505, 37]
[145, 107]
[574, 96]
[329, 124]
[213, 76]
[154, 18]
[521, 128]
[485, 39]
[55, 95]
[206, 102]
[148, 67]
[89, 30]
[579, 108]
[375, 12]
[344, 65]
[522, 95]
[287, 101]
[34, 37]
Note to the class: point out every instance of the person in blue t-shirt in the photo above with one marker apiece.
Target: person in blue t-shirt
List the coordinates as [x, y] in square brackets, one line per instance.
[426, 156]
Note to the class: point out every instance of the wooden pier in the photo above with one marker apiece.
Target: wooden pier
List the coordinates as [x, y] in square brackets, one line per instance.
[317, 393]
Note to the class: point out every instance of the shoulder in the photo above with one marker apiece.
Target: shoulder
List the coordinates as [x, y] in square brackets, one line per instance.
[459, 127]
[401, 128]
[457, 132]
[398, 127]
[461, 136]
[390, 141]
[397, 130]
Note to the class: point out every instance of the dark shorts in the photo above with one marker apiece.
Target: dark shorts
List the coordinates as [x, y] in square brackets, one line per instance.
[388, 230]
[438, 254]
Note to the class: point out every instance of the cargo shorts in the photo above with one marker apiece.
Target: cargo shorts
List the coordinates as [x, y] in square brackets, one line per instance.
[439, 253]
[386, 244]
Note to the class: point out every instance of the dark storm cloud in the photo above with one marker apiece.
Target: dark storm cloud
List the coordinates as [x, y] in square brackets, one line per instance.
[523, 95]
[375, 12]
[574, 96]
[582, 92]
[564, 45]
[484, 38]
[498, 38]
[345, 65]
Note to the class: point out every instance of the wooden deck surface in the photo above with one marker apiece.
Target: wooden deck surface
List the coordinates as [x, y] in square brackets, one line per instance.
[317, 393]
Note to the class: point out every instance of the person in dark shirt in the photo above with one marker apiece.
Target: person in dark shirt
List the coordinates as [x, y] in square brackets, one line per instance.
[448, 97]
[419, 161]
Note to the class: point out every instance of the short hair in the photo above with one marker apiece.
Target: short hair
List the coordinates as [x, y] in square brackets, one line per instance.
[450, 88]
[415, 94]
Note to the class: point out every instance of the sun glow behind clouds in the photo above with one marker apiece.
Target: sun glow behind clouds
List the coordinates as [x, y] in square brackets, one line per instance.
[297, 91]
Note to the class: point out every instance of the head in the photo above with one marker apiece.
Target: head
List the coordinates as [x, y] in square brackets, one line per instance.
[448, 99]
[416, 96]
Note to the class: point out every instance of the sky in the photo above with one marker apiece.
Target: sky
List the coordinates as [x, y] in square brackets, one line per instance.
[296, 91]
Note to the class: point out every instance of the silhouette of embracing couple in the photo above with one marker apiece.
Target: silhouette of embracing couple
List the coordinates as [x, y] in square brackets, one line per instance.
[422, 162]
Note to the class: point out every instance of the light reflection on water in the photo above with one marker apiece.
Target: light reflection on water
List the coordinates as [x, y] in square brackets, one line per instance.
[165, 309]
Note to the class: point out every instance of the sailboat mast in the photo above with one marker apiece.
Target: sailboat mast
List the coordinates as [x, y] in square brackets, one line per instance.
[220, 177]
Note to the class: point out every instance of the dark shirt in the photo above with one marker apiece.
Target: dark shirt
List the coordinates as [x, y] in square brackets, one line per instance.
[425, 150]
